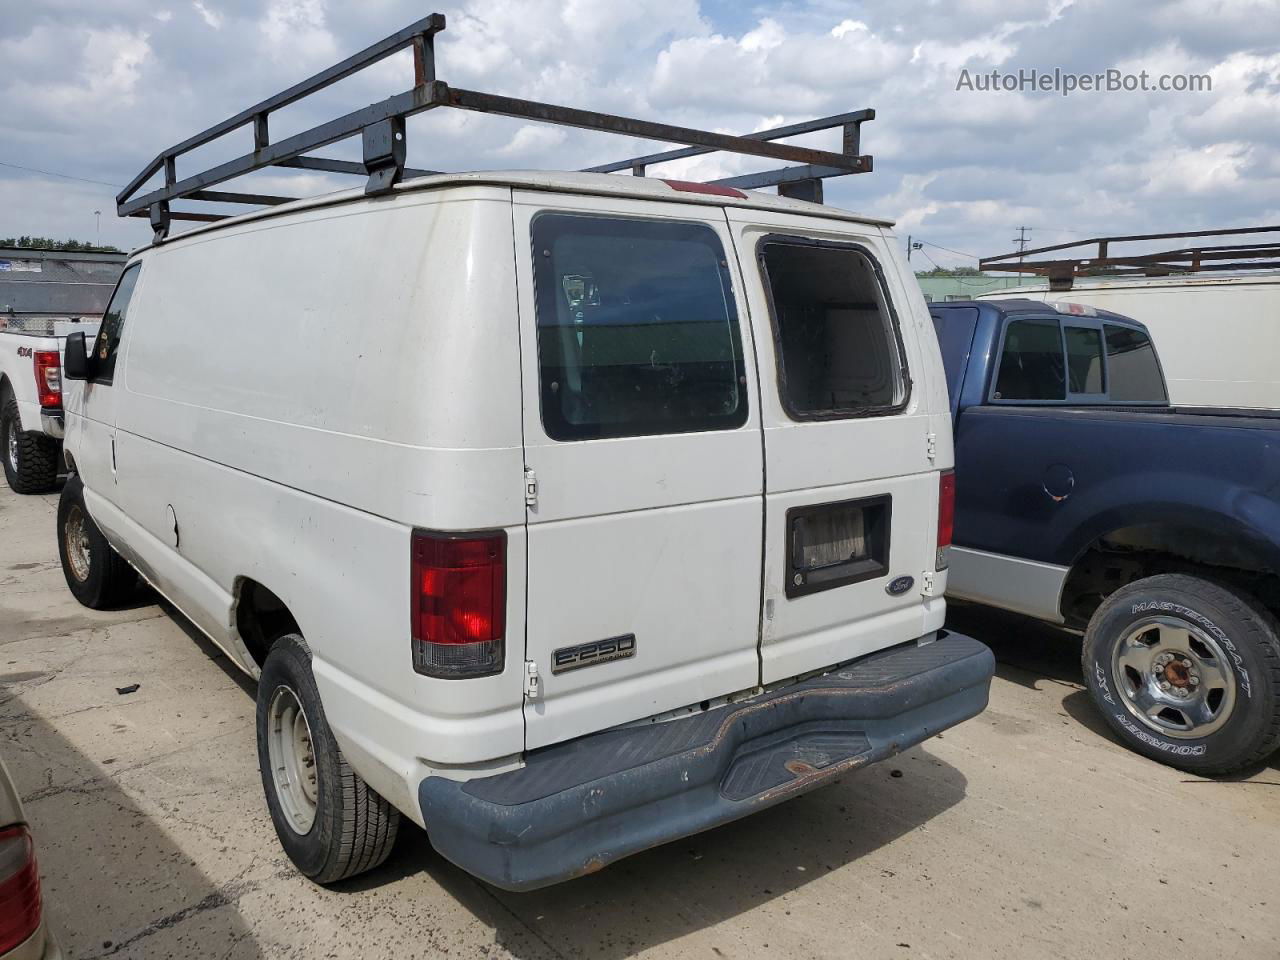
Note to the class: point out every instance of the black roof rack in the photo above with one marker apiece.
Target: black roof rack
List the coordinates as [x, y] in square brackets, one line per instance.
[1182, 260]
[382, 128]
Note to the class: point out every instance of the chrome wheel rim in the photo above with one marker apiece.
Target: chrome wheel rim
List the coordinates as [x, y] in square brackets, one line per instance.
[1174, 678]
[76, 538]
[11, 442]
[292, 758]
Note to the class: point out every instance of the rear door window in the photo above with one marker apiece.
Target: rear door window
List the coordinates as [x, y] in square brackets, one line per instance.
[637, 330]
[1031, 365]
[1132, 367]
[839, 350]
[1084, 360]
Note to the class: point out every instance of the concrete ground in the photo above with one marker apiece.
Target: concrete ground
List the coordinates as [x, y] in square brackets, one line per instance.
[1025, 833]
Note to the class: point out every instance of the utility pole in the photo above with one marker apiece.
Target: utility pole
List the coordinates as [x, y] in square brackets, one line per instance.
[97, 215]
[1021, 240]
[908, 248]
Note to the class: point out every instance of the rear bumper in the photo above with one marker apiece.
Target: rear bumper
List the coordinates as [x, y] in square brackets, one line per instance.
[575, 807]
[53, 423]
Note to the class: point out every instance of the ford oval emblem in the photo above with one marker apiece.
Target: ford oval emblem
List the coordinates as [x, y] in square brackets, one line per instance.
[900, 585]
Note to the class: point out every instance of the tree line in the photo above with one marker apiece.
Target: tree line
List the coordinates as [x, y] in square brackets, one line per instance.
[48, 243]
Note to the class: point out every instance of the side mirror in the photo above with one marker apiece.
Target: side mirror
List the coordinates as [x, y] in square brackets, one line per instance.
[75, 360]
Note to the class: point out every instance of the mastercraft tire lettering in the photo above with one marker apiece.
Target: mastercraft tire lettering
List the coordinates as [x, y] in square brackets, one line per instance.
[1187, 672]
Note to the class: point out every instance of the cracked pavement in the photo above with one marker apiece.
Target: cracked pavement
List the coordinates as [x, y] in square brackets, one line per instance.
[1025, 833]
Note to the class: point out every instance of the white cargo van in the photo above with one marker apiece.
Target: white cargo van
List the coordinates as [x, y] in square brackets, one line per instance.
[564, 514]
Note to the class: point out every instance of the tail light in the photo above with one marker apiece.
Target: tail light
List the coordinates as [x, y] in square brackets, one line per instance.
[459, 604]
[946, 515]
[48, 378]
[19, 888]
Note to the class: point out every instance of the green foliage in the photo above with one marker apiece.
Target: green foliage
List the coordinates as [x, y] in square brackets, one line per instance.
[47, 243]
[951, 272]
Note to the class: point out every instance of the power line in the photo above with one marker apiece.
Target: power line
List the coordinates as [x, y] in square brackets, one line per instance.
[949, 250]
[64, 176]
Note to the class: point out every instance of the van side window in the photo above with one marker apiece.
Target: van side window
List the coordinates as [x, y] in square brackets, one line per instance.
[1084, 360]
[839, 353]
[1132, 367]
[108, 341]
[1032, 367]
[637, 331]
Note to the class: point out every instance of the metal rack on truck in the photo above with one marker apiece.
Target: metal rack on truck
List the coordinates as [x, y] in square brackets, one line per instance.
[381, 127]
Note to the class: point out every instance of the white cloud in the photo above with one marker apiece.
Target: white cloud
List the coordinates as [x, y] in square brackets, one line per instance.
[95, 89]
[297, 30]
[211, 18]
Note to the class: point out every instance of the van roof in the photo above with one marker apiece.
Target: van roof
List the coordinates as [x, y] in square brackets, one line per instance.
[595, 184]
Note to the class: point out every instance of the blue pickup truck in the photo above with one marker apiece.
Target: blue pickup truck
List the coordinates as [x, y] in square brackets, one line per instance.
[1084, 499]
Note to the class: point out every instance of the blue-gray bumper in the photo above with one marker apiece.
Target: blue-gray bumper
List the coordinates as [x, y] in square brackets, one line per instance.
[575, 807]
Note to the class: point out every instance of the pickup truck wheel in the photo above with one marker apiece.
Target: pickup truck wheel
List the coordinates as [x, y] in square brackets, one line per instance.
[98, 576]
[330, 823]
[1187, 672]
[30, 459]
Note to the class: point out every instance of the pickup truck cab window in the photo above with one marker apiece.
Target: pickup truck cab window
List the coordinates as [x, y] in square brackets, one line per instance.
[1084, 359]
[839, 347]
[108, 341]
[1031, 362]
[637, 330]
[1076, 360]
[1132, 367]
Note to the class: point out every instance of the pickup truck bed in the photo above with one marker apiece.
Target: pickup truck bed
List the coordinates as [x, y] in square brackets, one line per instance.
[1084, 499]
[31, 416]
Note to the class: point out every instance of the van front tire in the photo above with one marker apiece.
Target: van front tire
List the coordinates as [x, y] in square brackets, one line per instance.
[30, 459]
[1187, 672]
[98, 576]
[330, 823]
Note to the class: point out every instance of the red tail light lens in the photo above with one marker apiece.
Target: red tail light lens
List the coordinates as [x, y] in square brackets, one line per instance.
[946, 515]
[459, 604]
[19, 888]
[49, 378]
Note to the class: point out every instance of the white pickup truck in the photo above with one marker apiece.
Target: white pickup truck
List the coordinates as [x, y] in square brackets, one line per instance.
[31, 420]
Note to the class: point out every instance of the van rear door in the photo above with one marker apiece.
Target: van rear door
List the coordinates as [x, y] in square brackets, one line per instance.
[643, 448]
[850, 464]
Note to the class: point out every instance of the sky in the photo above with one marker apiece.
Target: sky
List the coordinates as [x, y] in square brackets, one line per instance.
[94, 89]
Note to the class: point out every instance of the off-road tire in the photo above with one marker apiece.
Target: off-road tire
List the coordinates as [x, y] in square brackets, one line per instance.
[37, 468]
[1245, 631]
[354, 828]
[108, 580]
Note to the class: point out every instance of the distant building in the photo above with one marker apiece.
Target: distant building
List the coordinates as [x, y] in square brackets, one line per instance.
[943, 288]
[38, 286]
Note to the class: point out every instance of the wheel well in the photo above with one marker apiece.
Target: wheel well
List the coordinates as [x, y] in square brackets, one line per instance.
[1132, 553]
[261, 618]
[5, 387]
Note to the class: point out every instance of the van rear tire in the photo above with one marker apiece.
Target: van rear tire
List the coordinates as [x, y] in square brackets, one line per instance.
[98, 576]
[30, 459]
[329, 821]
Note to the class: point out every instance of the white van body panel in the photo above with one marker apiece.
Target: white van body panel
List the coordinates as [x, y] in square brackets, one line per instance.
[1217, 336]
[656, 537]
[297, 391]
[847, 459]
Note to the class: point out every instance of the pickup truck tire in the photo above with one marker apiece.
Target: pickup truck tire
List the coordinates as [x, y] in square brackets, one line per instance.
[30, 459]
[1187, 672]
[98, 576]
[330, 823]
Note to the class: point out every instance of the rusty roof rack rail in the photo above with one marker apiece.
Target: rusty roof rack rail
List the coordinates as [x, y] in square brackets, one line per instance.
[1062, 272]
[382, 129]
